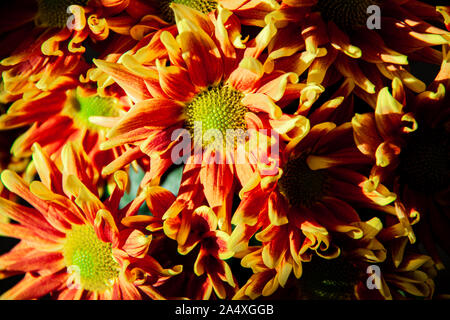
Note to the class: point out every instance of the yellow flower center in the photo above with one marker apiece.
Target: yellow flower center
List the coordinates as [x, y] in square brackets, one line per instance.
[300, 185]
[54, 13]
[90, 259]
[204, 6]
[82, 107]
[216, 110]
[425, 162]
[333, 279]
[347, 14]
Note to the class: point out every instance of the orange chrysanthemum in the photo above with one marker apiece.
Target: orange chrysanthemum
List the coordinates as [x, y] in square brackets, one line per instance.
[413, 278]
[308, 201]
[72, 245]
[202, 248]
[336, 39]
[71, 113]
[407, 137]
[363, 271]
[233, 93]
[199, 228]
[51, 53]
[249, 12]
[161, 16]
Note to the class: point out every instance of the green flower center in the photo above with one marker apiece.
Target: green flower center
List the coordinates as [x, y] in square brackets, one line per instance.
[53, 13]
[347, 14]
[324, 279]
[204, 6]
[83, 107]
[300, 185]
[425, 162]
[90, 258]
[216, 110]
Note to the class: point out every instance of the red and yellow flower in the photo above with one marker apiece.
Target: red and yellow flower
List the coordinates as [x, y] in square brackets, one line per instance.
[249, 12]
[161, 16]
[199, 229]
[334, 39]
[302, 207]
[67, 114]
[304, 175]
[413, 278]
[407, 138]
[233, 93]
[190, 229]
[53, 50]
[364, 272]
[72, 245]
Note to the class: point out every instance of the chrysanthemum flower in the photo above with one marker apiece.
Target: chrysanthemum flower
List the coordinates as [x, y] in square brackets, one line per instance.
[412, 279]
[78, 20]
[29, 71]
[8, 161]
[249, 12]
[310, 198]
[67, 114]
[232, 93]
[356, 274]
[199, 228]
[72, 245]
[52, 47]
[199, 245]
[407, 138]
[408, 30]
[161, 16]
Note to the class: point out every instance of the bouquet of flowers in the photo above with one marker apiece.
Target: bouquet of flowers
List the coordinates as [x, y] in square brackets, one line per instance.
[224, 149]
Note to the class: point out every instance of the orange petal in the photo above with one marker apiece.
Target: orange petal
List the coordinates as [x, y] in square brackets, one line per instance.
[251, 206]
[175, 82]
[350, 69]
[49, 174]
[217, 180]
[366, 134]
[105, 227]
[157, 113]
[277, 209]
[259, 102]
[198, 50]
[246, 76]
[137, 244]
[341, 41]
[388, 114]
[34, 287]
[84, 198]
[133, 85]
[28, 217]
[159, 200]
[387, 153]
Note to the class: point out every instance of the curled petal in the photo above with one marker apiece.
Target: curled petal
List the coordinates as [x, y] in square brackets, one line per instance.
[137, 244]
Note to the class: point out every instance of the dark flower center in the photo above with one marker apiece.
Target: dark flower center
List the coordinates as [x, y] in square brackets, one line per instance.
[54, 13]
[324, 279]
[425, 162]
[204, 6]
[300, 185]
[347, 14]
